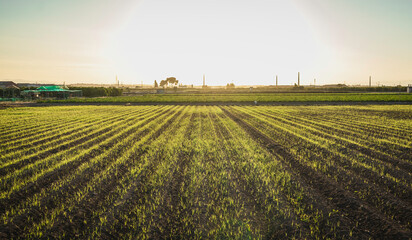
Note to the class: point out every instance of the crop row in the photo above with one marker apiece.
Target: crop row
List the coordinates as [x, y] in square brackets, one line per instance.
[207, 172]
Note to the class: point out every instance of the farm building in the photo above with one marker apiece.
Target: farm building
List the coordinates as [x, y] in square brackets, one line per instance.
[51, 92]
[409, 88]
[9, 89]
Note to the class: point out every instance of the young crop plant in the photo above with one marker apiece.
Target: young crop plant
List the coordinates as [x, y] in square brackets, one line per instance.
[207, 172]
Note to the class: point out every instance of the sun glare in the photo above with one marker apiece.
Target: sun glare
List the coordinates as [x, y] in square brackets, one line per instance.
[247, 51]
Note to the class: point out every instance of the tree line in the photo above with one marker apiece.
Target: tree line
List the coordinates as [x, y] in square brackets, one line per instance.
[99, 91]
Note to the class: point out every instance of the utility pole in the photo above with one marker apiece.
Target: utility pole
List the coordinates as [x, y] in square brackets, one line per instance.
[117, 82]
[298, 79]
[276, 80]
[204, 83]
[370, 81]
[314, 82]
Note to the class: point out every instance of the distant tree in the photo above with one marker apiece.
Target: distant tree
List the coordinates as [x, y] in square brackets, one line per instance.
[169, 81]
[172, 81]
[230, 85]
[99, 91]
[155, 84]
[163, 83]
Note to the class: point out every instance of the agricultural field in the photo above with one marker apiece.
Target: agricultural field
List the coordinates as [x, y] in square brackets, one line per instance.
[244, 98]
[226, 172]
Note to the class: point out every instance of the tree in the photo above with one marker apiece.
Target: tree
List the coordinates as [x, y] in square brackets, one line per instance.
[156, 85]
[163, 83]
[230, 85]
[172, 80]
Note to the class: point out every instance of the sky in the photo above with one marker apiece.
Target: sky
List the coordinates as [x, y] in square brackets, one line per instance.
[230, 41]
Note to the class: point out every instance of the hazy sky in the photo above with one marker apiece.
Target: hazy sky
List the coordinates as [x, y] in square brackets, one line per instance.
[245, 42]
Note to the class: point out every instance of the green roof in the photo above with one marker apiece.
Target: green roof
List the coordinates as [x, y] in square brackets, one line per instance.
[52, 88]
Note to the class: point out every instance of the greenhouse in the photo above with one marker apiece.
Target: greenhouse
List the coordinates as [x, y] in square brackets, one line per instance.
[51, 92]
